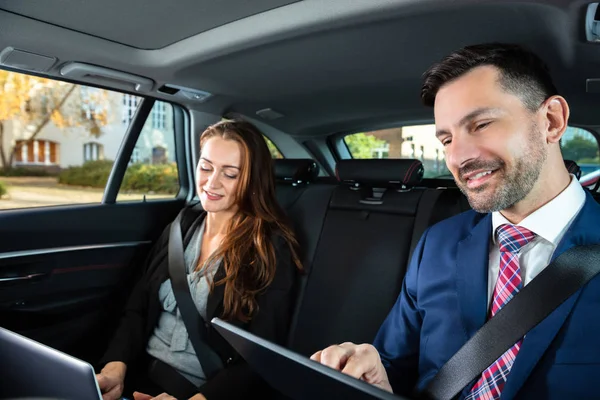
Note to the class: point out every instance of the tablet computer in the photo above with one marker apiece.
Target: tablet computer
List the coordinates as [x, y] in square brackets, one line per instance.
[294, 375]
[29, 369]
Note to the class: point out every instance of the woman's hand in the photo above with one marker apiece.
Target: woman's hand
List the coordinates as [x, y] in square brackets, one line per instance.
[163, 396]
[111, 380]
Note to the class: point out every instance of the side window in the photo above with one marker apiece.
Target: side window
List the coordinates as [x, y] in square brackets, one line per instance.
[416, 141]
[57, 140]
[152, 172]
[581, 146]
[275, 153]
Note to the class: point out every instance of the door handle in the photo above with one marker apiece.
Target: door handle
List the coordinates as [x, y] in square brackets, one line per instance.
[22, 278]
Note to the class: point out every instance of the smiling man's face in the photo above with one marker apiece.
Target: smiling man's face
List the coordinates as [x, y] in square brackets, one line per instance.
[493, 146]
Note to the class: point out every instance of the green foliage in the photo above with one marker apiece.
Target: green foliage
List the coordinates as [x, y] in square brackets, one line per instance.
[24, 171]
[580, 148]
[92, 174]
[160, 178]
[595, 160]
[275, 153]
[362, 146]
[3, 189]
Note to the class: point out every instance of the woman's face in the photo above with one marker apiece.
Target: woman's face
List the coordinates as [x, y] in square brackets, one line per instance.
[218, 174]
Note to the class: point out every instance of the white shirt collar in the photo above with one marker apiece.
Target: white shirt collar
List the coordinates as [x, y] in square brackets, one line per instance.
[550, 220]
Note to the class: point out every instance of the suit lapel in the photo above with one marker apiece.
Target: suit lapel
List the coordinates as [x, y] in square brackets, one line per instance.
[472, 261]
[536, 342]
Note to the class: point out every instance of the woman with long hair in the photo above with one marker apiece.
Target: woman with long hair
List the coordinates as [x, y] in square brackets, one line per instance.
[242, 262]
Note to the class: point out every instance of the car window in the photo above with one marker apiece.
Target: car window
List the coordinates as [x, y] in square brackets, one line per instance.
[152, 171]
[414, 141]
[581, 146]
[58, 140]
[275, 153]
[419, 142]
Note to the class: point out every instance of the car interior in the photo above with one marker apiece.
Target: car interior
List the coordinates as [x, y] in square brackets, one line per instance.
[307, 73]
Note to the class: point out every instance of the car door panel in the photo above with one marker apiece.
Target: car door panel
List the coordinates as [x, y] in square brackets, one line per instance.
[65, 285]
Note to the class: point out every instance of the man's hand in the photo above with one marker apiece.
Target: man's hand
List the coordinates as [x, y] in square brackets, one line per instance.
[111, 380]
[163, 396]
[360, 361]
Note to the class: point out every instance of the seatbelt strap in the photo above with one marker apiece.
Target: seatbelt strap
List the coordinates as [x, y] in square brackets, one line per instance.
[193, 321]
[568, 273]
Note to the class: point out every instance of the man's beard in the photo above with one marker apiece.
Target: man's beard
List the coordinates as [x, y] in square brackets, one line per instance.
[514, 184]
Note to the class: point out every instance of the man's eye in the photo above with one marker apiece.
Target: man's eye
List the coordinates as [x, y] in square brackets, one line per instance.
[481, 126]
[446, 142]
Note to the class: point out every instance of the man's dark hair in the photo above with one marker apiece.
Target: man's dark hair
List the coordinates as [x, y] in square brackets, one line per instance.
[521, 72]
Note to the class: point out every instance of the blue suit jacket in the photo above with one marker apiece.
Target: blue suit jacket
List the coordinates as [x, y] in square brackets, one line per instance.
[444, 302]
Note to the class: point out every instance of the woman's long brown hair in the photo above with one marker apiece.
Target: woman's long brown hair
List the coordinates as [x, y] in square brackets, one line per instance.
[248, 251]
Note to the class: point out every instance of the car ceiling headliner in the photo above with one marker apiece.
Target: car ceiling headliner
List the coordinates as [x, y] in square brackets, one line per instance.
[326, 66]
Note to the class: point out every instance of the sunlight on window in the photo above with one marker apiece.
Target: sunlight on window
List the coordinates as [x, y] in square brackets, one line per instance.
[417, 141]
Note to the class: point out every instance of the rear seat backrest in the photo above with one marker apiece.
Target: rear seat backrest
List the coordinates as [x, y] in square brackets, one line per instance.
[291, 178]
[362, 253]
[304, 201]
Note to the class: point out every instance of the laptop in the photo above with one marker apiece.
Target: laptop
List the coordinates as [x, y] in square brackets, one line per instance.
[29, 369]
[294, 375]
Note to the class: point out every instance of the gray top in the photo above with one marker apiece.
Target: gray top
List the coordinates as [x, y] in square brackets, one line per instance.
[170, 342]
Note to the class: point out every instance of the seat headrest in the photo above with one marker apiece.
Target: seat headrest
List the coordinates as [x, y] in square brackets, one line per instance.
[573, 168]
[296, 170]
[384, 172]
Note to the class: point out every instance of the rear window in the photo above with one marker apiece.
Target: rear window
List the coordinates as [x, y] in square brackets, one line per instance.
[419, 142]
[414, 141]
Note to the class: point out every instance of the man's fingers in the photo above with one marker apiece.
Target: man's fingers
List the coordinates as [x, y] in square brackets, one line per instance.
[164, 396]
[363, 361]
[317, 356]
[101, 381]
[357, 366]
[335, 356]
[112, 394]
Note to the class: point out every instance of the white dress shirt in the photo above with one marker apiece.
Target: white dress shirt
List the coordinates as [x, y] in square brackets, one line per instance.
[549, 223]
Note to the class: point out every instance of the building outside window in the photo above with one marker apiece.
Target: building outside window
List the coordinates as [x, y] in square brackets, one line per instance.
[38, 151]
[135, 156]
[382, 152]
[159, 115]
[93, 151]
[130, 104]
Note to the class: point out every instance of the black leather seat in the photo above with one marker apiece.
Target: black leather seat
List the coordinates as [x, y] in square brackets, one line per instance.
[361, 255]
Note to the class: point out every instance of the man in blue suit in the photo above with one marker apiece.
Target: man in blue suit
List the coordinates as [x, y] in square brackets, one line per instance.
[500, 119]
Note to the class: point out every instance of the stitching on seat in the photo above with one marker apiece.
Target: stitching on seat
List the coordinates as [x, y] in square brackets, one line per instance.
[410, 171]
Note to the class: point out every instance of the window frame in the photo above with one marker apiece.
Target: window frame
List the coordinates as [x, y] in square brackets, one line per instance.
[182, 156]
[181, 127]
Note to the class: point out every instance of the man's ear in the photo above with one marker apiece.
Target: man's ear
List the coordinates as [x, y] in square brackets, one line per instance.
[554, 114]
